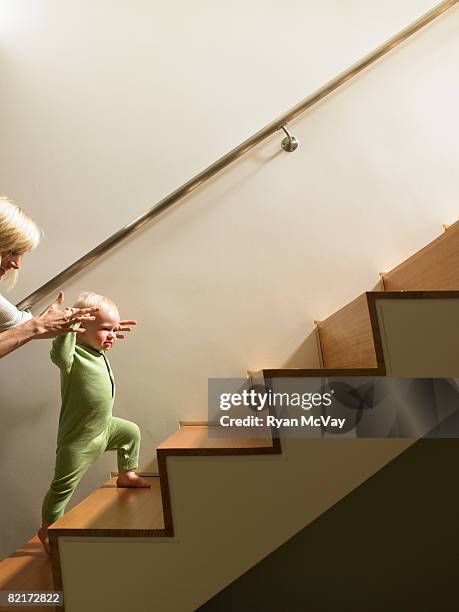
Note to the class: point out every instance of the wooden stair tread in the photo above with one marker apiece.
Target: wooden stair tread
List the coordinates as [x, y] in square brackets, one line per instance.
[110, 507]
[27, 569]
[432, 268]
[195, 437]
[351, 337]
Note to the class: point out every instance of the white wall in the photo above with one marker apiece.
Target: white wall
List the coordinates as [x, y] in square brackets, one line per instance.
[108, 106]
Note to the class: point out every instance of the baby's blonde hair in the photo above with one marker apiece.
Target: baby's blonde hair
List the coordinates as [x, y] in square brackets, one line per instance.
[18, 233]
[89, 299]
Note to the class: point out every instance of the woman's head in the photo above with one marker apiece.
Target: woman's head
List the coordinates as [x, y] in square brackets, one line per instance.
[18, 235]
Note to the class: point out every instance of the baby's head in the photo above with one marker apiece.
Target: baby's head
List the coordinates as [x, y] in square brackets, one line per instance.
[100, 334]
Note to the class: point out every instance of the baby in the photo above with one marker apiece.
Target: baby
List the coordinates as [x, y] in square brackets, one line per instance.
[86, 425]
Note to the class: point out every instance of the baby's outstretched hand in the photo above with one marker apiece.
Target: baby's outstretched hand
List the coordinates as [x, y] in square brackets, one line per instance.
[122, 328]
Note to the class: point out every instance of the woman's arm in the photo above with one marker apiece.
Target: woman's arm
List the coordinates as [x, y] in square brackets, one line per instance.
[10, 315]
[15, 337]
[50, 323]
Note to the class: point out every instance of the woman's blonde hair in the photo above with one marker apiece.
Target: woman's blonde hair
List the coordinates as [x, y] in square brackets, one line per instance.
[18, 233]
[89, 299]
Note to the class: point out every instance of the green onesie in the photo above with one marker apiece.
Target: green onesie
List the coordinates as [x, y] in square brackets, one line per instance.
[86, 425]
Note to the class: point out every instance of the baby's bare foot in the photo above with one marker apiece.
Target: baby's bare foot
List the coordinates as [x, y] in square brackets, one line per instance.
[130, 479]
[43, 535]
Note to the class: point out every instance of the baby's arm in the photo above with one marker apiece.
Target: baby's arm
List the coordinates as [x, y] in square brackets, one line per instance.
[63, 351]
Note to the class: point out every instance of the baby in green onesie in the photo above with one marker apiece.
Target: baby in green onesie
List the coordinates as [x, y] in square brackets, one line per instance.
[86, 425]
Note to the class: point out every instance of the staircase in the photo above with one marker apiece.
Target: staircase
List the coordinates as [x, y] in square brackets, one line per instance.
[221, 504]
[388, 330]
[27, 569]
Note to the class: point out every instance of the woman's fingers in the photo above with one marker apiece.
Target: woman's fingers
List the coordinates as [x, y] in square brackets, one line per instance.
[82, 311]
[122, 327]
[82, 314]
[77, 318]
[54, 305]
[54, 311]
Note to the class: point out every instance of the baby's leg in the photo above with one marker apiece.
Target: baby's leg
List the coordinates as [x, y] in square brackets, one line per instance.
[71, 464]
[124, 437]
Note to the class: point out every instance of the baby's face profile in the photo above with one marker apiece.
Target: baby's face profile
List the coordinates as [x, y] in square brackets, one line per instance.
[100, 334]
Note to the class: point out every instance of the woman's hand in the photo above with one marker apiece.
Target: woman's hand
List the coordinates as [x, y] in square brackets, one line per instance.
[54, 321]
[122, 328]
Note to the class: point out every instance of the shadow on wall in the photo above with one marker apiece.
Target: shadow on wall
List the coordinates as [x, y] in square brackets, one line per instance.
[306, 355]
